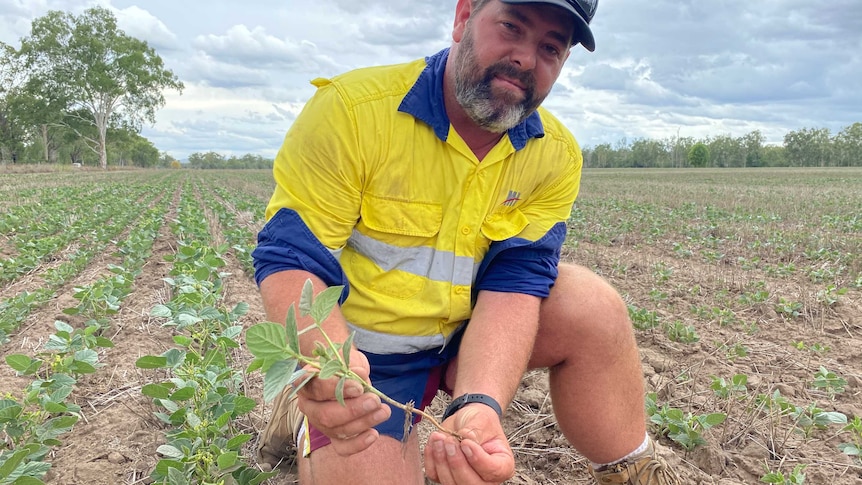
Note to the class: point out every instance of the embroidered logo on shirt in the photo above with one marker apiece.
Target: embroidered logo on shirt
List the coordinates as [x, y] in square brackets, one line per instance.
[512, 198]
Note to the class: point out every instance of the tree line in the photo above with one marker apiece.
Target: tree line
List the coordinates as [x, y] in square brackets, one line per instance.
[79, 88]
[807, 147]
[212, 160]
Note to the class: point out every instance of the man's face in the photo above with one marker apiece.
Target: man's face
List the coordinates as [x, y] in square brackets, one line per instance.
[507, 60]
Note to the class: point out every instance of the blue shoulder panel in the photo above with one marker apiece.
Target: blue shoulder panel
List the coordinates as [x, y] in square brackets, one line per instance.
[518, 265]
[285, 243]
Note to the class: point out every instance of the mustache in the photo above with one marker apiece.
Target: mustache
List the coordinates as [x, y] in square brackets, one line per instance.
[505, 69]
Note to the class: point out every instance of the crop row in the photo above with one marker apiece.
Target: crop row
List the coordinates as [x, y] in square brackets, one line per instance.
[32, 423]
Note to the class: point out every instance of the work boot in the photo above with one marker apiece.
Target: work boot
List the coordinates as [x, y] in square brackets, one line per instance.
[279, 437]
[646, 468]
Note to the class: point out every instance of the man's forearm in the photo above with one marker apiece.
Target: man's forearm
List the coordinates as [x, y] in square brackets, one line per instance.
[280, 290]
[497, 345]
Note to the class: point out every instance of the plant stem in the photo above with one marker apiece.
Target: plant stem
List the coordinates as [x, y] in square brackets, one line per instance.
[408, 408]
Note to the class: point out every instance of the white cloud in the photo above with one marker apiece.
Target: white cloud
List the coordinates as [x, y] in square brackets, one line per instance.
[660, 68]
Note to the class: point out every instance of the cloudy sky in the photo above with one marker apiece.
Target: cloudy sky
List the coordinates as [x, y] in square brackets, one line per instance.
[662, 68]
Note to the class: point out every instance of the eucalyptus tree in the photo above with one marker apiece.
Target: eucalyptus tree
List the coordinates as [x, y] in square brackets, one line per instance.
[102, 77]
[848, 146]
[808, 147]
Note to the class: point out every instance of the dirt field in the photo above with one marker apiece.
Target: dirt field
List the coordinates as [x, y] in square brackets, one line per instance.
[727, 273]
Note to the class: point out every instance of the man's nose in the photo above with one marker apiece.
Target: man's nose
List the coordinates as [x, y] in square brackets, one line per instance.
[524, 57]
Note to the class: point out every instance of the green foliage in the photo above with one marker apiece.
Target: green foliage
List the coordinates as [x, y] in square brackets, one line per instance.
[86, 74]
[680, 332]
[686, 429]
[736, 387]
[829, 382]
[791, 309]
[278, 355]
[643, 319]
[698, 156]
[796, 477]
[854, 447]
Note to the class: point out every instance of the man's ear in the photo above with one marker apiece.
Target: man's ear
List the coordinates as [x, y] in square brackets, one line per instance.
[462, 14]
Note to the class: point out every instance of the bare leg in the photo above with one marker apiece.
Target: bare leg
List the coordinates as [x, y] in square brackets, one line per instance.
[586, 340]
[386, 462]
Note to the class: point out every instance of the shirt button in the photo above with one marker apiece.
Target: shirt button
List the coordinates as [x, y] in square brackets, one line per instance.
[465, 230]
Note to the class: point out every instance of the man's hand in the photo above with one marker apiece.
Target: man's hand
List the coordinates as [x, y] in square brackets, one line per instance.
[350, 427]
[483, 457]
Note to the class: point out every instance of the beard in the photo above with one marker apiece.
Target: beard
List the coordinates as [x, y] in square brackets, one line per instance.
[493, 112]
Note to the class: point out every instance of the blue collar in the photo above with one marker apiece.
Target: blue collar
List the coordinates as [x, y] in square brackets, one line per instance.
[425, 102]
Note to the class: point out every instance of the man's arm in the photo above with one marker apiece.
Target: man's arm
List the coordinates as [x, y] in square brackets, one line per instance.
[361, 411]
[497, 344]
[282, 289]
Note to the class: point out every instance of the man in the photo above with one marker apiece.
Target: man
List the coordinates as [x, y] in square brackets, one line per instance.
[437, 192]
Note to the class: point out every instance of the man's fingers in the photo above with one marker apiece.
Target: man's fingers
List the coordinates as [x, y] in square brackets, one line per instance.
[494, 466]
[346, 445]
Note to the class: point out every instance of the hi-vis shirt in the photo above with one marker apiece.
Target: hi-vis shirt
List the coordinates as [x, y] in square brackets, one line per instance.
[376, 191]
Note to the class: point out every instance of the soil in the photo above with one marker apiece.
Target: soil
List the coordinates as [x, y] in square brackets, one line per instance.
[115, 442]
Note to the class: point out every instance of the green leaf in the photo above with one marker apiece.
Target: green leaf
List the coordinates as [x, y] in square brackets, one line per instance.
[240, 309]
[330, 369]
[9, 410]
[169, 452]
[325, 302]
[226, 460]
[277, 378]
[63, 326]
[306, 298]
[151, 362]
[266, 340]
[291, 330]
[12, 463]
[715, 419]
[20, 362]
[176, 477]
[104, 343]
[345, 348]
[339, 390]
[237, 441]
[193, 420]
[174, 357]
[157, 391]
[183, 394]
[243, 405]
[161, 311]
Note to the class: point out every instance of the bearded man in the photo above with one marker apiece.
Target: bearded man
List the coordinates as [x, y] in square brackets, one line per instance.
[437, 193]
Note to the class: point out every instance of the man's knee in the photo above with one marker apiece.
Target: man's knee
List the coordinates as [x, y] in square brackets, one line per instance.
[583, 295]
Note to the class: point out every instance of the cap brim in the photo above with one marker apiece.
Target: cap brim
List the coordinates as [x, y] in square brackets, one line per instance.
[583, 34]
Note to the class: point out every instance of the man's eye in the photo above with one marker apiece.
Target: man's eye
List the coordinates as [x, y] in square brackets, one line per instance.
[552, 50]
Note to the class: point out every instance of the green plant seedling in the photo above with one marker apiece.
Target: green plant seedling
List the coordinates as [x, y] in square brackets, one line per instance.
[796, 477]
[829, 382]
[854, 448]
[278, 356]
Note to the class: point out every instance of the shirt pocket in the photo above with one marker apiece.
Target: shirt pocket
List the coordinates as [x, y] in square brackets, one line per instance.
[398, 240]
[500, 226]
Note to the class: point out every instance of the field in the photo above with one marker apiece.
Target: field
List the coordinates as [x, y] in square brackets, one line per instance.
[123, 296]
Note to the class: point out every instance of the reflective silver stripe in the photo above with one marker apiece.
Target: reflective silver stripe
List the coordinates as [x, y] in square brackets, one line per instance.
[421, 261]
[336, 253]
[385, 343]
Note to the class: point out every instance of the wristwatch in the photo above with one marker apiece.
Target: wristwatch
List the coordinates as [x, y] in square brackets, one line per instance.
[461, 401]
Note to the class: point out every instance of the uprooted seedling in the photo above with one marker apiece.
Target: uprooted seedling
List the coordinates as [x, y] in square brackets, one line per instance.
[277, 354]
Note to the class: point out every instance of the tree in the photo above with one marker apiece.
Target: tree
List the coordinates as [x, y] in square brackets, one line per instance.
[808, 147]
[102, 76]
[848, 146]
[753, 146]
[648, 153]
[698, 156]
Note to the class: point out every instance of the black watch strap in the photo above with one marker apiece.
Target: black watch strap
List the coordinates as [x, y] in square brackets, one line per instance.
[461, 401]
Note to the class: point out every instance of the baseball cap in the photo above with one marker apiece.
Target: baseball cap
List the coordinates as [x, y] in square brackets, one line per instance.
[583, 12]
